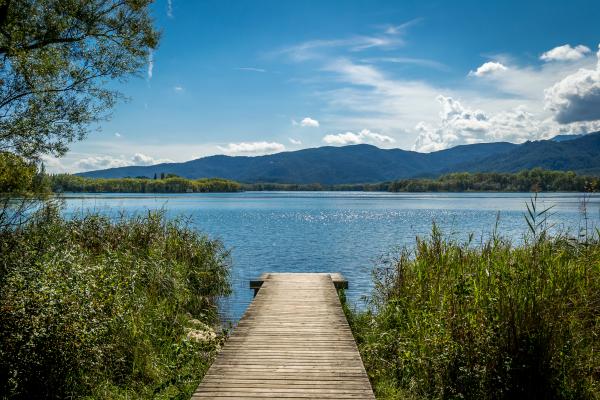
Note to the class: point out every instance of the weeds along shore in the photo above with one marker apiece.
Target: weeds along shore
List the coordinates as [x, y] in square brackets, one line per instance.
[97, 308]
[450, 320]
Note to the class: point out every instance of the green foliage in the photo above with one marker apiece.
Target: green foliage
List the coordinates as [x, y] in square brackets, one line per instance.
[20, 178]
[524, 181]
[494, 321]
[107, 309]
[534, 180]
[173, 184]
[56, 57]
[16, 175]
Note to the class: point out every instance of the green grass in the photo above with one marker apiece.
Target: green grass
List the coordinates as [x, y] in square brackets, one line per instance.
[94, 308]
[453, 320]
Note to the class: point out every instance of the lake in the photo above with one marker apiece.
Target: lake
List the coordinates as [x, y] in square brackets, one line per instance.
[343, 232]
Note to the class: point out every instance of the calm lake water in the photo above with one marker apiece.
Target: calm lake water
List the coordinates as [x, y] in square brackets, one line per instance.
[343, 232]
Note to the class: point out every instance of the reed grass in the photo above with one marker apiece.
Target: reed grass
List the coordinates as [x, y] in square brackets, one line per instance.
[454, 320]
[97, 308]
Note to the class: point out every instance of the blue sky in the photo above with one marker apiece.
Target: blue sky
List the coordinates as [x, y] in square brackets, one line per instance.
[257, 77]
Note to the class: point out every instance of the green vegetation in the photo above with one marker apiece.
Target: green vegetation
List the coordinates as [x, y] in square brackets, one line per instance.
[535, 180]
[167, 184]
[57, 60]
[19, 177]
[456, 320]
[91, 307]
[94, 308]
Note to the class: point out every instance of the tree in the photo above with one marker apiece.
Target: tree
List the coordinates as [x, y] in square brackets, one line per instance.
[56, 57]
[16, 175]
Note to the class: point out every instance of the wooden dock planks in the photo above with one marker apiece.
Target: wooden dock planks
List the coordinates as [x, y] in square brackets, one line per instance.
[293, 342]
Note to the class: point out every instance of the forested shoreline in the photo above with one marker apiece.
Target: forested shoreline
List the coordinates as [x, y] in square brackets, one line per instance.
[168, 184]
[534, 180]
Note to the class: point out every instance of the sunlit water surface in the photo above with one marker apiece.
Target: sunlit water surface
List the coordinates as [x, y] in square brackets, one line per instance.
[343, 232]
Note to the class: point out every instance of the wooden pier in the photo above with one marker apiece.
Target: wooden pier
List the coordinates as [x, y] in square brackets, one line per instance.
[293, 342]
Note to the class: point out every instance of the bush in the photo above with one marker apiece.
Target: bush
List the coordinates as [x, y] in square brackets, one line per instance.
[107, 309]
[457, 321]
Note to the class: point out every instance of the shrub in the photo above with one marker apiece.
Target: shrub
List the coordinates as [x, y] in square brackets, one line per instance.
[456, 321]
[101, 308]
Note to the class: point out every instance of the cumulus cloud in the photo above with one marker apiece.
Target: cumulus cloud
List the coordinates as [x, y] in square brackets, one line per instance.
[142, 159]
[252, 148]
[295, 141]
[178, 88]
[576, 97]
[54, 164]
[117, 134]
[460, 125]
[488, 68]
[100, 162]
[565, 53]
[106, 161]
[309, 122]
[364, 136]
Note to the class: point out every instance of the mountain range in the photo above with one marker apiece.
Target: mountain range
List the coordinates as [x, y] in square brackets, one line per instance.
[364, 163]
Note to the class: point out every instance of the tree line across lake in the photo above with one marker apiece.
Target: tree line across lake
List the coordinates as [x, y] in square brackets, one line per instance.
[535, 180]
[166, 184]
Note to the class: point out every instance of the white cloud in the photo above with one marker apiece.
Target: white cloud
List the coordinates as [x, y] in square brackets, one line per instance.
[402, 28]
[117, 134]
[178, 88]
[150, 64]
[488, 68]
[370, 97]
[309, 122]
[54, 165]
[367, 97]
[364, 136]
[142, 159]
[295, 141]
[314, 48]
[93, 162]
[100, 162]
[576, 97]
[565, 53]
[460, 125]
[387, 38]
[252, 148]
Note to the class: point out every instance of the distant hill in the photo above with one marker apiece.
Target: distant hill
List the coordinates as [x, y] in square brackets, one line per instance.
[581, 155]
[365, 163]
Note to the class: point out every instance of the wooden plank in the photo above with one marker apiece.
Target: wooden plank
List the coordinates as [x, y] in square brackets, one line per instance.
[292, 342]
[338, 281]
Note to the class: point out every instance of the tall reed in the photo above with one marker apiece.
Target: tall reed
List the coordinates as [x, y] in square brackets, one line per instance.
[452, 320]
[92, 307]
